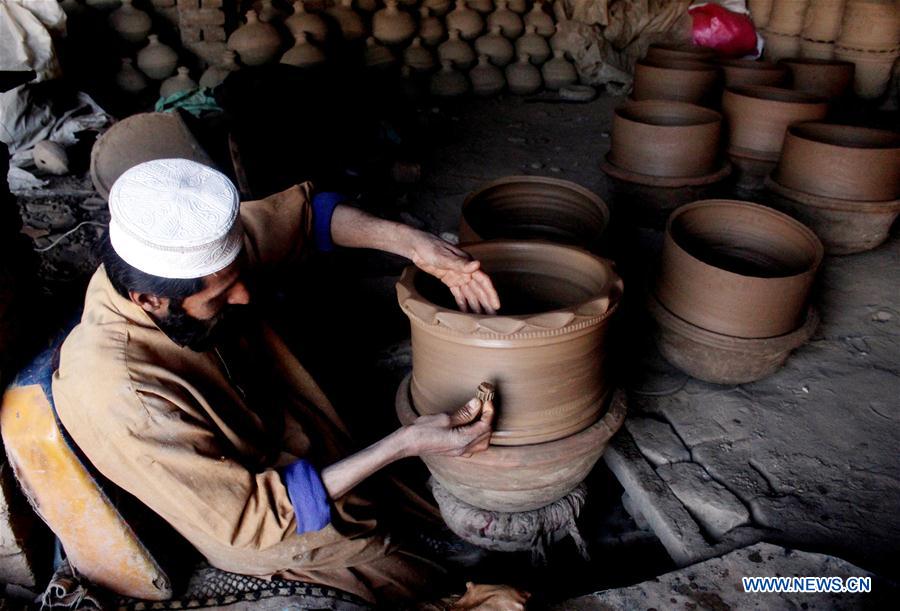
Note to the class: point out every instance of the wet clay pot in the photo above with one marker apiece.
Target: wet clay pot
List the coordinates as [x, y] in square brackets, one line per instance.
[823, 20]
[737, 268]
[827, 78]
[679, 51]
[787, 17]
[683, 81]
[860, 164]
[758, 117]
[870, 25]
[740, 72]
[534, 208]
[813, 49]
[521, 478]
[665, 143]
[780, 46]
[873, 70]
[760, 11]
[722, 359]
[544, 352]
[255, 42]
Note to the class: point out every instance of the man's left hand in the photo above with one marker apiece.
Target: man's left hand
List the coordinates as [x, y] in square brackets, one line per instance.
[471, 287]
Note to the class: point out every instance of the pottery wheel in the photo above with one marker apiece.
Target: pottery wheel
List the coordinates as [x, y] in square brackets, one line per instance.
[534, 530]
[664, 181]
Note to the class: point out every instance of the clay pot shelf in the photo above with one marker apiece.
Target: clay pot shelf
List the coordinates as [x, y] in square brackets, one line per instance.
[681, 80]
[666, 144]
[853, 210]
[534, 207]
[826, 78]
[662, 51]
[520, 478]
[741, 72]
[544, 352]
[737, 269]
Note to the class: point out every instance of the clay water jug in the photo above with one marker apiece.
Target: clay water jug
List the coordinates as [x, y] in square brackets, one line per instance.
[418, 57]
[519, 7]
[157, 60]
[498, 49]
[438, 7]
[522, 77]
[431, 29]
[542, 22]
[315, 27]
[303, 54]
[457, 51]
[482, 6]
[269, 13]
[448, 82]
[179, 83]
[377, 55]
[392, 26]
[510, 24]
[352, 27]
[216, 75]
[558, 72]
[255, 42]
[487, 79]
[468, 22]
[129, 79]
[534, 45]
[129, 23]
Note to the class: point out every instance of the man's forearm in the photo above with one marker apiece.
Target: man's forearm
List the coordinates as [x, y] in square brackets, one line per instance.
[354, 228]
[341, 477]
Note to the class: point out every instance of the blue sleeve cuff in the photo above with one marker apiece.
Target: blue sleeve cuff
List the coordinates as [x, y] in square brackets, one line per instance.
[323, 209]
[307, 495]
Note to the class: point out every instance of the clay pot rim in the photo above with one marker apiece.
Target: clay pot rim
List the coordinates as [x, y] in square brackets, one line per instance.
[687, 49]
[750, 64]
[814, 61]
[811, 238]
[549, 323]
[666, 182]
[831, 203]
[631, 110]
[813, 132]
[681, 65]
[775, 95]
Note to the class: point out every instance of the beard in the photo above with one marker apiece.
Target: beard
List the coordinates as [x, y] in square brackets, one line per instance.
[203, 335]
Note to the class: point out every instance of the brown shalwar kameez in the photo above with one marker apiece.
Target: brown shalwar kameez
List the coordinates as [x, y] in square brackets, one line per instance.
[197, 436]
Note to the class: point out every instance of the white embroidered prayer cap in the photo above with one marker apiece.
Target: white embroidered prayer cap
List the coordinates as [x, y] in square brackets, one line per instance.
[175, 218]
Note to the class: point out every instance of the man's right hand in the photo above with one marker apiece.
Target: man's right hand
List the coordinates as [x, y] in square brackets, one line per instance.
[461, 433]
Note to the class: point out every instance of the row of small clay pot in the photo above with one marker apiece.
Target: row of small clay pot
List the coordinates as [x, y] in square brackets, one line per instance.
[486, 79]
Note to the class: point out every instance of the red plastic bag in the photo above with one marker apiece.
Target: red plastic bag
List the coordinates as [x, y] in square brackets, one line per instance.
[727, 32]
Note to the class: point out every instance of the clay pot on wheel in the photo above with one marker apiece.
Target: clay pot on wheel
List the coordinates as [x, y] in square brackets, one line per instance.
[826, 78]
[737, 269]
[663, 51]
[683, 81]
[535, 208]
[520, 478]
[544, 351]
[740, 72]
[255, 42]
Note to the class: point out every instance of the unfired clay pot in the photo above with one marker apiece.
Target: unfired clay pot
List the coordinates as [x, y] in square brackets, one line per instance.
[179, 83]
[758, 118]
[216, 75]
[737, 269]
[787, 17]
[457, 51]
[558, 72]
[315, 27]
[351, 25]
[544, 352]
[683, 81]
[540, 19]
[392, 26]
[535, 208]
[780, 46]
[665, 143]
[813, 49]
[873, 70]
[823, 20]
[131, 24]
[418, 57]
[255, 42]
[377, 55]
[760, 11]
[467, 21]
[534, 45]
[431, 29]
[269, 13]
[520, 478]
[303, 54]
[870, 25]
[522, 77]
[826, 78]
[679, 51]
[739, 72]
[487, 79]
[157, 60]
[510, 23]
[129, 79]
[496, 47]
[449, 82]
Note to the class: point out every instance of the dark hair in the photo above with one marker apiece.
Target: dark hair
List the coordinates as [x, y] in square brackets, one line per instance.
[126, 278]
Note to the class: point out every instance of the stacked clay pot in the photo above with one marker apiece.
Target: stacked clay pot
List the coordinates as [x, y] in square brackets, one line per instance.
[828, 78]
[783, 28]
[545, 354]
[535, 208]
[731, 299]
[739, 72]
[821, 28]
[870, 38]
[842, 181]
[674, 79]
[760, 11]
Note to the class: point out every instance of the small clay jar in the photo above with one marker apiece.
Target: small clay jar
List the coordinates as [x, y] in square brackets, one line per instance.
[872, 72]
[827, 78]
[303, 54]
[481, 6]
[351, 25]
[457, 51]
[780, 46]
[392, 26]
[534, 45]
[737, 269]
[269, 13]
[129, 79]
[522, 77]
[157, 60]
[255, 42]
[448, 82]
[467, 21]
[664, 51]
[496, 47]
[418, 57]
[129, 23]
[511, 24]
[870, 25]
[542, 22]
[787, 17]
[431, 29]
[315, 27]
[814, 49]
[760, 10]
[180, 83]
[738, 72]
[758, 117]
[558, 72]
[487, 79]
[377, 55]
[215, 75]
[684, 81]
[823, 20]
[861, 164]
